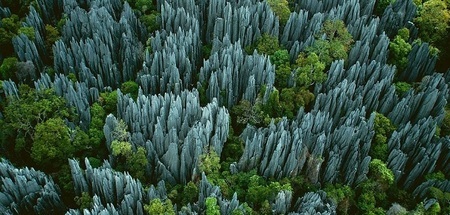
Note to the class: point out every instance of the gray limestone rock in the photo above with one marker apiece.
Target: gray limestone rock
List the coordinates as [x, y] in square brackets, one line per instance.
[27, 191]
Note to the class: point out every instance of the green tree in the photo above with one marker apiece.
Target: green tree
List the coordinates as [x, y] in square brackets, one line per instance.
[130, 87]
[95, 132]
[383, 129]
[209, 163]
[23, 114]
[443, 204]
[336, 44]
[282, 75]
[381, 173]
[280, 57]
[445, 126]
[145, 6]
[267, 44]
[8, 68]
[281, 9]
[109, 101]
[246, 113]
[398, 55]
[399, 49]
[132, 161]
[190, 193]
[27, 31]
[51, 36]
[342, 196]
[310, 70]
[211, 206]
[9, 29]
[157, 207]
[84, 201]
[402, 87]
[433, 21]
[52, 145]
[151, 21]
[380, 6]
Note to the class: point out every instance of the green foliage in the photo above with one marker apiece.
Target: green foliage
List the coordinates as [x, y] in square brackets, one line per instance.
[267, 44]
[341, 195]
[209, 163]
[402, 87]
[310, 70]
[84, 201]
[27, 31]
[9, 29]
[372, 195]
[11, 24]
[52, 145]
[8, 68]
[435, 209]
[51, 36]
[246, 113]
[366, 202]
[190, 193]
[130, 87]
[433, 21]
[246, 210]
[134, 162]
[281, 9]
[280, 57]
[206, 50]
[145, 6]
[399, 49]
[137, 163]
[260, 191]
[22, 115]
[233, 148]
[121, 148]
[381, 173]
[445, 126]
[381, 5]
[211, 206]
[443, 204]
[435, 176]
[294, 98]
[383, 129]
[151, 21]
[272, 107]
[282, 75]
[335, 46]
[403, 33]
[109, 101]
[157, 207]
[95, 132]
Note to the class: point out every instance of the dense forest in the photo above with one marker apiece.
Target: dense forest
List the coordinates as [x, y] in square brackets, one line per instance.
[224, 107]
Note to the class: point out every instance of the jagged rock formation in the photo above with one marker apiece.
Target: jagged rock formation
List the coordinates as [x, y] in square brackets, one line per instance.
[170, 66]
[115, 190]
[104, 50]
[396, 16]
[229, 75]
[242, 23]
[174, 129]
[315, 203]
[26, 51]
[311, 144]
[422, 190]
[411, 149]
[421, 62]
[27, 191]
